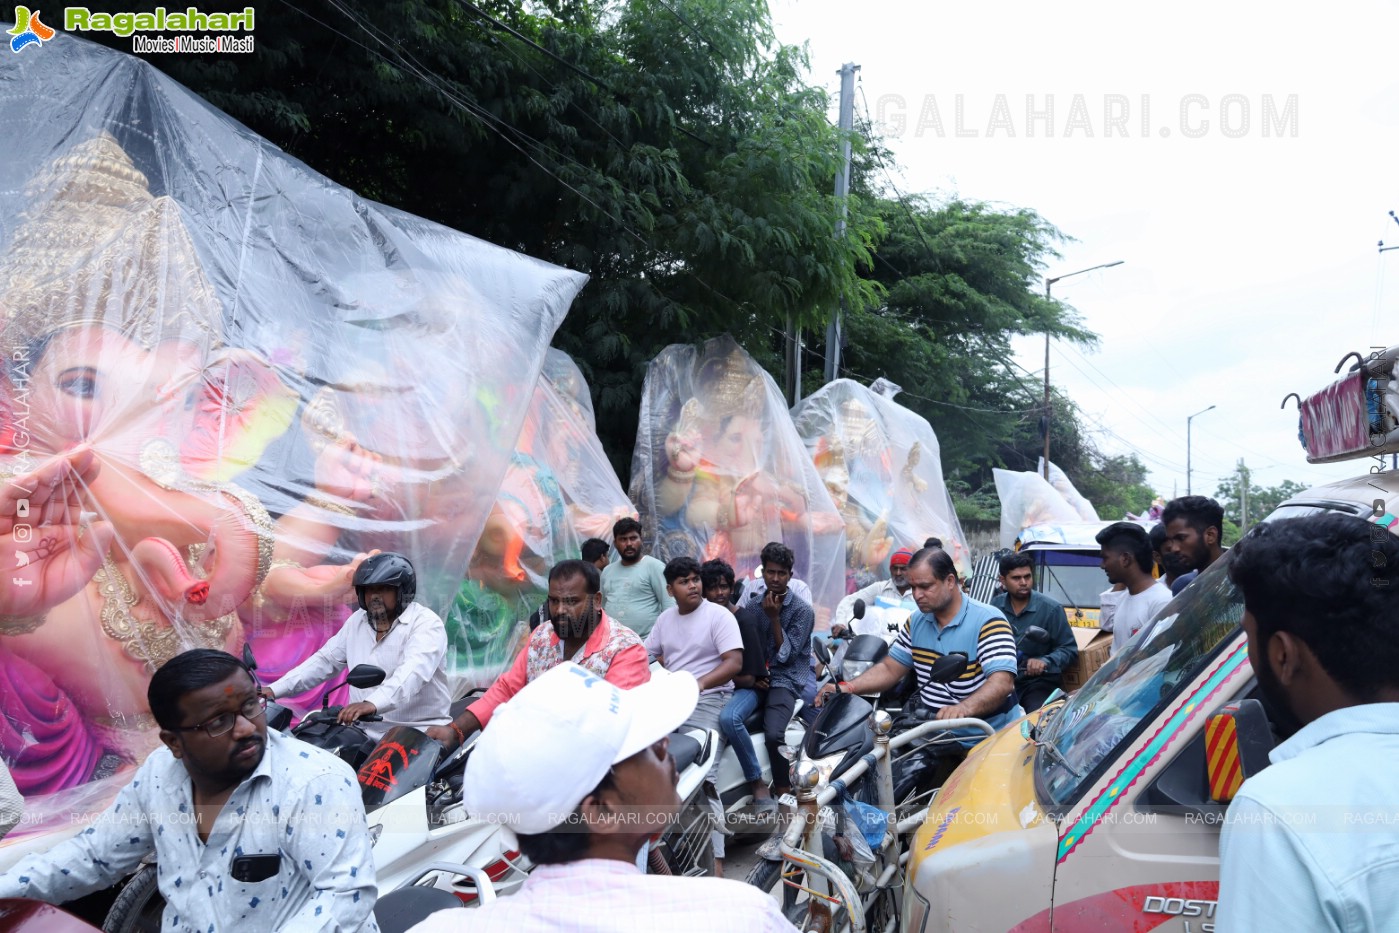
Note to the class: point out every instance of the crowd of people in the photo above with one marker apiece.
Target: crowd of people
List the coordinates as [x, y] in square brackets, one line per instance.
[253, 829]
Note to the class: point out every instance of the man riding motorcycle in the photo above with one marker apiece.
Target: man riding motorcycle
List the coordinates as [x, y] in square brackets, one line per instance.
[888, 598]
[947, 621]
[389, 631]
[574, 629]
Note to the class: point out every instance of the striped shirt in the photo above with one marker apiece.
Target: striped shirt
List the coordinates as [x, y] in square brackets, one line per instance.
[979, 631]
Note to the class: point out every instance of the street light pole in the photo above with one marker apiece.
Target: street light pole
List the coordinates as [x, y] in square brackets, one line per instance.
[1187, 446]
[1048, 410]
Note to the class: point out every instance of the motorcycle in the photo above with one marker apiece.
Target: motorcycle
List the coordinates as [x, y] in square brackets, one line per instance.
[421, 834]
[859, 653]
[847, 841]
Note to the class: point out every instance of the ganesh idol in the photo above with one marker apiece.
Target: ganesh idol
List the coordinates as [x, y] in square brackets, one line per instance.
[719, 470]
[127, 422]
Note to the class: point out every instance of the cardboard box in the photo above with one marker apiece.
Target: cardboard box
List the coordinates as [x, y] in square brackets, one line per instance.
[1094, 646]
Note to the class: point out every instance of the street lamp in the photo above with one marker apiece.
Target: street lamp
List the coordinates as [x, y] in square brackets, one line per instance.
[1048, 410]
[1187, 446]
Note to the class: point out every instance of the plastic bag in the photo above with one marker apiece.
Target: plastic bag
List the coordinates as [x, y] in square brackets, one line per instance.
[251, 376]
[1071, 495]
[1026, 499]
[882, 466]
[719, 471]
[559, 490]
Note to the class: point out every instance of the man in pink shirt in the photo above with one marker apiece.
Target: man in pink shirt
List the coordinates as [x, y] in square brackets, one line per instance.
[576, 630]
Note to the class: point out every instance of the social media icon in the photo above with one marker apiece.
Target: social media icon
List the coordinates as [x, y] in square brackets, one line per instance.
[21, 559]
[24, 533]
[21, 508]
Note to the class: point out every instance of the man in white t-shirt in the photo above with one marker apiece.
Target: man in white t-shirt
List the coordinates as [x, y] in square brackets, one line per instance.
[1127, 560]
[702, 639]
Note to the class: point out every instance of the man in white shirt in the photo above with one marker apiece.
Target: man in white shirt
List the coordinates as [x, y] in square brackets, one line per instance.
[702, 639]
[1309, 842]
[251, 830]
[390, 631]
[886, 601]
[1127, 559]
[580, 771]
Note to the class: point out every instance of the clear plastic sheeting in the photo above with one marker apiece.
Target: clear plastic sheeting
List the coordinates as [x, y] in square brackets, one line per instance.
[225, 380]
[882, 466]
[1027, 499]
[1060, 481]
[719, 470]
[559, 490]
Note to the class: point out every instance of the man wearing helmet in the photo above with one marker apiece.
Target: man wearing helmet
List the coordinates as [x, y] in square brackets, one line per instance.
[390, 631]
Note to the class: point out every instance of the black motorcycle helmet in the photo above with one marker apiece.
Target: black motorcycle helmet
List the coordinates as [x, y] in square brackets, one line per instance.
[387, 569]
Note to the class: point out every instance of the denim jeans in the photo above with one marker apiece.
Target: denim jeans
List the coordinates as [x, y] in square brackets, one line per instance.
[740, 707]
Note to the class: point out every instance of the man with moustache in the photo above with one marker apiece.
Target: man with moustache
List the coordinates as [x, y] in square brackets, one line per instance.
[1309, 842]
[1194, 533]
[575, 629]
[947, 621]
[390, 631]
[251, 830]
[634, 588]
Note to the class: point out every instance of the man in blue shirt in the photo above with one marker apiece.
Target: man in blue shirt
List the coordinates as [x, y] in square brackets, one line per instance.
[948, 621]
[1046, 660]
[1309, 843]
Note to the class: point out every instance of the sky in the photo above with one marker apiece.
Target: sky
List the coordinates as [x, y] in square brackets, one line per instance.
[1240, 165]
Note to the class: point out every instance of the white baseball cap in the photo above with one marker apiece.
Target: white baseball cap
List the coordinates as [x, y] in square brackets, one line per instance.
[549, 745]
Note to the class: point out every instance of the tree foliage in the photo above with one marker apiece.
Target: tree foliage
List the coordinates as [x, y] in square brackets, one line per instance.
[671, 150]
[1261, 499]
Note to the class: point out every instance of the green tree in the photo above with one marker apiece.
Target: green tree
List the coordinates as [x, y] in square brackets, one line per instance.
[668, 148]
[1262, 500]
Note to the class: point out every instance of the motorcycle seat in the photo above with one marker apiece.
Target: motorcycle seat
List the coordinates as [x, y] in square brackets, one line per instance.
[398, 910]
[684, 749]
[753, 722]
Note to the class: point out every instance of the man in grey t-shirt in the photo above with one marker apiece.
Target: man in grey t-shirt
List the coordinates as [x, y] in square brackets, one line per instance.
[634, 588]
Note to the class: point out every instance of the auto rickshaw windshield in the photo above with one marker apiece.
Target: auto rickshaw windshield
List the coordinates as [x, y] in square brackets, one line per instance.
[1139, 679]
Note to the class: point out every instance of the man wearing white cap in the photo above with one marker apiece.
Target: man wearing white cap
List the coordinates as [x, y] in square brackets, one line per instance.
[580, 771]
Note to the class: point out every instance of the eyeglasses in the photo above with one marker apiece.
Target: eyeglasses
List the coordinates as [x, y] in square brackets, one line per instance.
[223, 723]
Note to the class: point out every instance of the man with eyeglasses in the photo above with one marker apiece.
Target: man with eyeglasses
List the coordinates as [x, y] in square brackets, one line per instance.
[251, 830]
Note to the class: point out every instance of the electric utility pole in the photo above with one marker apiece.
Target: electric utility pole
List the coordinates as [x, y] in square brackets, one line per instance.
[835, 331]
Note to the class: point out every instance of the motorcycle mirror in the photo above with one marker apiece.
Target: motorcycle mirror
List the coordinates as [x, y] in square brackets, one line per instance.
[859, 609]
[948, 668]
[823, 653]
[248, 660]
[364, 676]
[1035, 634]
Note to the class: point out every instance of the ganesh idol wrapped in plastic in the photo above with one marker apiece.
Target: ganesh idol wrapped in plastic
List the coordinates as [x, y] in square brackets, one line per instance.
[881, 463]
[225, 380]
[719, 470]
[559, 490]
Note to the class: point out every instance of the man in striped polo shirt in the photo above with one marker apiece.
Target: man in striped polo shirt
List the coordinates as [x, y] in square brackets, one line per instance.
[946, 621]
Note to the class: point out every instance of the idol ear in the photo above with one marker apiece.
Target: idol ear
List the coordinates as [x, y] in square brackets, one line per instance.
[240, 407]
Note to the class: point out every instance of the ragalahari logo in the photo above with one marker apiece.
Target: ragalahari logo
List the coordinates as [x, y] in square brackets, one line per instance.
[28, 29]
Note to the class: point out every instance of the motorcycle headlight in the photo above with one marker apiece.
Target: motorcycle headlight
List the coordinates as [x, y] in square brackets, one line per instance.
[825, 767]
[853, 669]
